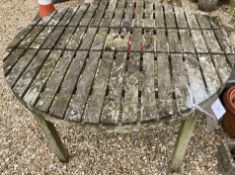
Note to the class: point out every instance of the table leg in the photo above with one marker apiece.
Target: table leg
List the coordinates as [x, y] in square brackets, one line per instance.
[183, 139]
[53, 138]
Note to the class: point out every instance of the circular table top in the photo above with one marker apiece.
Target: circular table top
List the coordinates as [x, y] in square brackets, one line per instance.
[119, 62]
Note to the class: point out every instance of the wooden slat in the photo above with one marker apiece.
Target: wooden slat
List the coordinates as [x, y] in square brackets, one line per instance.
[30, 72]
[88, 38]
[180, 83]
[67, 17]
[138, 13]
[68, 85]
[112, 104]
[210, 75]
[224, 41]
[46, 19]
[137, 39]
[95, 104]
[186, 41]
[95, 22]
[40, 80]
[53, 38]
[231, 59]
[117, 19]
[76, 39]
[165, 94]
[174, 42]
[130, 104]
[180, 18]
[148, 101]
[211, 41]
[159, 16]
[88, 15]
[214, 21]
[53, 83]
[100, 38]
[57, 17]
[203, 21]
[106, 20]
[222, 67]
[19, 68]
[65, 37]
[169, 15]
[77, 104]
[197, 87]
[162, 44]
[192, 21]
[149, 40]
[121, 4]
[149, 22]
[78, 16]
[198, 41]
[127, 20]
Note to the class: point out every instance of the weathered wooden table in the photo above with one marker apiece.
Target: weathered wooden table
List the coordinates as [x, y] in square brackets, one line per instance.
[119, 65]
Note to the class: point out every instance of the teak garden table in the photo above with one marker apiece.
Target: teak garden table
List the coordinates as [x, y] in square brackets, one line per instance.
[119, 65]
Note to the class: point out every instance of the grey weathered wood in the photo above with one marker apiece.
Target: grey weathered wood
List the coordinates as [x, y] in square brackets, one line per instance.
[137, 39]
[192, 21]
[68, 85]
[47, 19]
[132, 77]
[231, 59]
[40, 80]
[210, 75]
[117, 19]
[76, 38]
[148, 101]
[203, 22]
[149, 42]
[30, 72]
[138, 21]
[128, 13]
[99, 40]
[174, 42]
[106, 20]
[149, 22]
[197, 86]
[162, 44]
[78, 102]
[88, 38]
[95, 22]
[199, 41]
[211, 41]
[223, 40]
[186, 41]
[169, 16]
[56, 18]
[65, 37]
[159, 16]
[180, 18]
[78, 16]
[53, 38]
[89, 14]
[214, 21]
[53, 83]
[18, 69]
[111, 110]
[95, 104]
[165, 94]
[67, 17]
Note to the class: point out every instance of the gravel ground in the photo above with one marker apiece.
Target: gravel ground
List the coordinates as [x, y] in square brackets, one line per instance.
[23, 149]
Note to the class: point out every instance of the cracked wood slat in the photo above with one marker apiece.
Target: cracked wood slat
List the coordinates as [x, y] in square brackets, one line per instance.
[76, 38]
[209, 72]
[78, 16]
[95, 104]
[20, 37]
[88, 38]
[180, 18]
[57, 17]
[203, 22]
[112, 104]
[159, 16]
[42, 37]
[137, 39]
[162, 44]
[211, 41]
[30, 72]
[53, 83]
[62, 98]
[67, 17]
[53, 38]
[192, 21]
[180, 80]
[128, 13]
[26, 42]
[100, 38]
[79, 100]
[149, 40]
[130, 103]
[65, 37]
[19, 68]
[222, 67]
[12, 59]
[186, 41]
[198, 41]
[88, 15]
[197, 87]
[40, 80]
[138, 21]
[174, 41]
[224, 42]
[170, 17]
[148, 102]
[165, 94]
